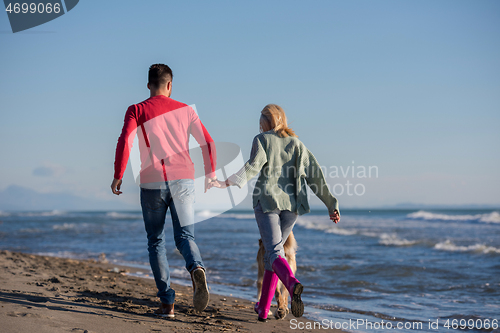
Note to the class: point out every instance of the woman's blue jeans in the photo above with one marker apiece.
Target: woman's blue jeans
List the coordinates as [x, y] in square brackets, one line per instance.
[274, 227]
[179, 197]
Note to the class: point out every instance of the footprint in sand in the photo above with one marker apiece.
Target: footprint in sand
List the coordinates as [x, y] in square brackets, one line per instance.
[80, 330]
[23, 314]
[37, 299]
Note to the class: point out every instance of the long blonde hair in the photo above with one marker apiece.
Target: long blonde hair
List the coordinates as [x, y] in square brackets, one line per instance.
[273, 118]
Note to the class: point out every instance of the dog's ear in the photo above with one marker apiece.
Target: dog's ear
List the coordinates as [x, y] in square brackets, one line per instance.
[260, 242]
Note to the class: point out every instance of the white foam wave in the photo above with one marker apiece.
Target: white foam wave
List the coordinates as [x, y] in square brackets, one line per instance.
[69, 255]
[370, 234]
[340, 231]
[177, 272]
[478, 248]
[325, 225]
[37, 214]
[131, 216]
[68, 226]
[238, 216]
[4, 213]
[493, 217]
[207, 213]
[393, 239]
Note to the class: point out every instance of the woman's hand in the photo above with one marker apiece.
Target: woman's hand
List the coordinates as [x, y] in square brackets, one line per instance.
[335, 217]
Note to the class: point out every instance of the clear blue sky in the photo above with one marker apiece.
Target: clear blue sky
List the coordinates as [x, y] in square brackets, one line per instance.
[412, 87]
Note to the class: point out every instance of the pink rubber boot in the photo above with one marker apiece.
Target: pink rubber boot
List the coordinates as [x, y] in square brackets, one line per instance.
[269, 283]
[294, 287]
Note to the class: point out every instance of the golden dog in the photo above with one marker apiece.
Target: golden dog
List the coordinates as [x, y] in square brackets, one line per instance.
[281, 293]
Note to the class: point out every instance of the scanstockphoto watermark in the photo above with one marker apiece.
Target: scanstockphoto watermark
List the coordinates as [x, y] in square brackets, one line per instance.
[367, 325]
[356, 172]
[315, 177]
[358, 324]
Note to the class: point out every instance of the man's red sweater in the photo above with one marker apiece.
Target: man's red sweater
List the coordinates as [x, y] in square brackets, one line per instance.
[163, 126]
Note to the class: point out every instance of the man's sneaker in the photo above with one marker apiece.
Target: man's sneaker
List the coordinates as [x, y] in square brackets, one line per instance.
[166, 310]
[200, 296]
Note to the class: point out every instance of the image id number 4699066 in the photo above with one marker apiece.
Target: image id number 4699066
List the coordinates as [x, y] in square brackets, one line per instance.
[471, 324]
[33, 8]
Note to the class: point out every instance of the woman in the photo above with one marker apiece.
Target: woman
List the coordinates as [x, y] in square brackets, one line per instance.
[279, 197]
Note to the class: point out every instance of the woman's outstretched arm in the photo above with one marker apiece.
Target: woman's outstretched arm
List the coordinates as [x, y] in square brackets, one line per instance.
[316, 181]
[252, 167]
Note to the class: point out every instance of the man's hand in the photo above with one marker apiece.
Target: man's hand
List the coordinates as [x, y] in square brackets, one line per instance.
[210, 182]
[115, 186]
[335, 217]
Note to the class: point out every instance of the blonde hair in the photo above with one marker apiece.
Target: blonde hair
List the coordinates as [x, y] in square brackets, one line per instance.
[273, 118]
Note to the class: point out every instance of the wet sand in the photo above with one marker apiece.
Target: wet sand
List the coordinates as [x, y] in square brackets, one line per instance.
[48, 294]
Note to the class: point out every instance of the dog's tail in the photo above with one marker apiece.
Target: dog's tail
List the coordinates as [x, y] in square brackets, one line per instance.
[291, 243]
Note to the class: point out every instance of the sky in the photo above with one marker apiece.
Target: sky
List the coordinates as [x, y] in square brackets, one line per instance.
[409, 88]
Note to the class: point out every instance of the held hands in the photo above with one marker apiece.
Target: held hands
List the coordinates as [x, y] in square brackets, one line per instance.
[335, 217]
[220, 184]
[210, 182]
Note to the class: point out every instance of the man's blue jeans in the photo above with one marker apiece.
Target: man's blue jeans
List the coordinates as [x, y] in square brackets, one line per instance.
[179, 197]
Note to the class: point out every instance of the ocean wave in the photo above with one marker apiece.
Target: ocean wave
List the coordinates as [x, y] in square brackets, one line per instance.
[340, 231]
[69, 255]
[4, 213]
[207, 213]
[177, 272]
[42, 214]
[393, 239]
[337, 308]
[122, 216]
[64, 226]
[70, 226]
[326, 226]
[477, 248]
[493, 217]
[238, 216]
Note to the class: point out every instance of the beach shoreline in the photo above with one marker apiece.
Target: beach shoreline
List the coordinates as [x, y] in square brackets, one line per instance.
[51, 294]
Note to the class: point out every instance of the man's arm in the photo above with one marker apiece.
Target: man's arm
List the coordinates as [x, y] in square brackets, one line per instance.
[123, 147]
[207, 146]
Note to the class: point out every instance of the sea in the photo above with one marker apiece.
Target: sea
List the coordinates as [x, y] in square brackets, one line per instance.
[374, 271]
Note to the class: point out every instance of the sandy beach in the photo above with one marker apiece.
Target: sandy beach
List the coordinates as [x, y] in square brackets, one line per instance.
[49, 294]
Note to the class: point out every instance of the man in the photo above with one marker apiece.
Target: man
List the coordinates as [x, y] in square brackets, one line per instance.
[163, 127]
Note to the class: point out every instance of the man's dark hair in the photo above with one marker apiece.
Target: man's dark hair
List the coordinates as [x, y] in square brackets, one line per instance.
[159, 75]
